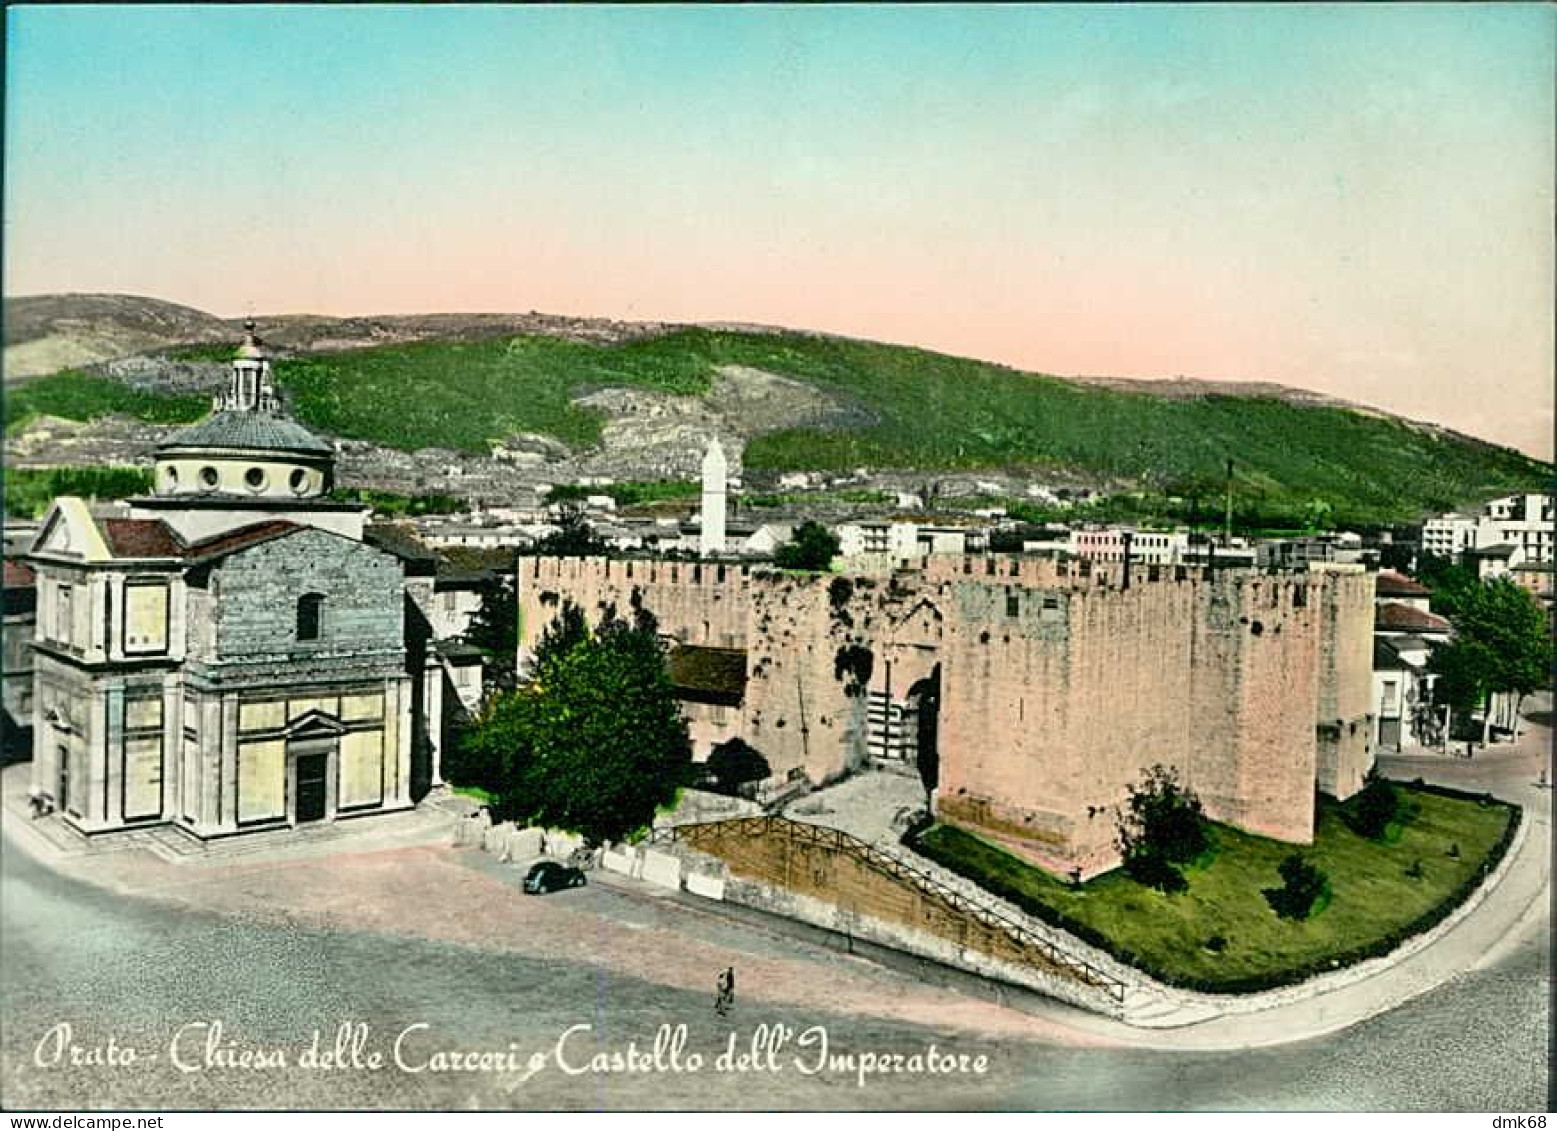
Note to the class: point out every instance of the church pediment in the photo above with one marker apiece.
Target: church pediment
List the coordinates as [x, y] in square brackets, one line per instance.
[315, 724]
[69, 532]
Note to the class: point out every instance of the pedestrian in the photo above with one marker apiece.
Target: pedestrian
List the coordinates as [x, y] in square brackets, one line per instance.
[726, 996]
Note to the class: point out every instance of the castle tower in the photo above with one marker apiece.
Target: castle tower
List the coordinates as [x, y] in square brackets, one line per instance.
[715, 474]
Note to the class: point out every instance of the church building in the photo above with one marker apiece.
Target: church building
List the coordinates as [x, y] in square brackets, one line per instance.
[228, 654]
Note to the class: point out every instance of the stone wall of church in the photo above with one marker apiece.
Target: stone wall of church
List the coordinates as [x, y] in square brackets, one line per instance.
[250, 612]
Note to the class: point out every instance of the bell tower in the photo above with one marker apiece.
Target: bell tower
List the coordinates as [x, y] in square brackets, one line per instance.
[715, 475]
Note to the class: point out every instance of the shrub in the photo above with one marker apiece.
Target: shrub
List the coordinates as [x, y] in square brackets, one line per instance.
[1154, 871]
[1302, 885]
[1370, 812]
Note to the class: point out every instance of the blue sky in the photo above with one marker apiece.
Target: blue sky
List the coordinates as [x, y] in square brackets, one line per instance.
[1352, 198]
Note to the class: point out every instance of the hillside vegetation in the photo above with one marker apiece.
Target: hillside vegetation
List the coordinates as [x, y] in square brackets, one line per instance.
[82, 396]
[931, 412]
[916, 409]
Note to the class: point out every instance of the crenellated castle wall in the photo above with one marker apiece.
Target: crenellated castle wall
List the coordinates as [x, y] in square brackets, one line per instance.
[1059, 686]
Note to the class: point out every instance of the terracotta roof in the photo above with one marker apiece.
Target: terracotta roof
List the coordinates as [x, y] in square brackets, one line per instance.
[140, 538]
[240, 539]
[709, 675]
[19, 575]
[1404, 618]
[1392, 584]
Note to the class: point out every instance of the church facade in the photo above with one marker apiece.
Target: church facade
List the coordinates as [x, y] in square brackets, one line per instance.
[228, 655]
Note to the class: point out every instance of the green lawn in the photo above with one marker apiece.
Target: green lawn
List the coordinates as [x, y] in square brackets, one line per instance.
[1373, 905]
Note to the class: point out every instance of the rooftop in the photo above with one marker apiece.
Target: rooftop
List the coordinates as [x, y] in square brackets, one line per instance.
[1392, 584]
[1395, 617]
[248, 431]
[140, 538]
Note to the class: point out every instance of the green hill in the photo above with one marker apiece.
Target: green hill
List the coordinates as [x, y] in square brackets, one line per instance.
[931, 412]
[918, 410]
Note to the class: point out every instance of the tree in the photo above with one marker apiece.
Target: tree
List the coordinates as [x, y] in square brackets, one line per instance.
[1318, 514]
[494, 629]
[1502, 643]
[1164, 817]
[813, 547]
[595, 742]
[573, 538]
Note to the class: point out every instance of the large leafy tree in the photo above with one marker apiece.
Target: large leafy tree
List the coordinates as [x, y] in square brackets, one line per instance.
[1502, 643]
[594, 742]
[812, 547]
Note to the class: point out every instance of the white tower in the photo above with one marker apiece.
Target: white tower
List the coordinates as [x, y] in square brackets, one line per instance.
[716, 470]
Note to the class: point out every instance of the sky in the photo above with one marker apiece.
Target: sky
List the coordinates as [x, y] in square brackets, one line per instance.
[1356, 199]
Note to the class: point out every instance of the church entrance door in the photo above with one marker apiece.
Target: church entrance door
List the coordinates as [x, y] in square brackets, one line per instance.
[311, 772]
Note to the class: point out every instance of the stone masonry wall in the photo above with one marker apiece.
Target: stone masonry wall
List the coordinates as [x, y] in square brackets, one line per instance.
[1059, 686]
[253, 622]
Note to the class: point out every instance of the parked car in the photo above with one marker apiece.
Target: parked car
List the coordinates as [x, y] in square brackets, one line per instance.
[549, 876]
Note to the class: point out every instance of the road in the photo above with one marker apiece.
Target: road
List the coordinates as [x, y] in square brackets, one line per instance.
[508, 972]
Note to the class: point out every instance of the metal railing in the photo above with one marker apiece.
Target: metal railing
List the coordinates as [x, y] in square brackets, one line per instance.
[988, 913]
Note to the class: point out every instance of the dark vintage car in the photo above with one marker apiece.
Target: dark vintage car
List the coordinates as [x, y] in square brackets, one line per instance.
[549, 876]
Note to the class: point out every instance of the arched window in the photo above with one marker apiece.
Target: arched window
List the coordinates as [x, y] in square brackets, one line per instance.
[310, 614]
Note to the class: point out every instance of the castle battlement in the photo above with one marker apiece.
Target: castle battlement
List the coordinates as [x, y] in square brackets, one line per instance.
[1052, 685]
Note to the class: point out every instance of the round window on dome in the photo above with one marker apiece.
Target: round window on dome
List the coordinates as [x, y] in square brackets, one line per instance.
[299, 481]
[209, 478]
[255, 478]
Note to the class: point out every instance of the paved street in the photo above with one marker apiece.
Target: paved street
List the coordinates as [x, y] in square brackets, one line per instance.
[504, 968]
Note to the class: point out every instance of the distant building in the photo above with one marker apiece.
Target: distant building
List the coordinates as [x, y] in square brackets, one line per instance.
[1507, 532]
[1146, 547]
[1405, 633]
[894, 539]
[1537, 579]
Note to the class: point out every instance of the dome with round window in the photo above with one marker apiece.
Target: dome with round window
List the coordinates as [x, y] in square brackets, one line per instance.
[248, 446]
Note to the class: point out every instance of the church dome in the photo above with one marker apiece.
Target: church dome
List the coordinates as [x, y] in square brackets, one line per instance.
[248, 447]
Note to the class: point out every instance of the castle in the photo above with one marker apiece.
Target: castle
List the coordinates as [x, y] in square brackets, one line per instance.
[1035, 692]
[229, 654]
